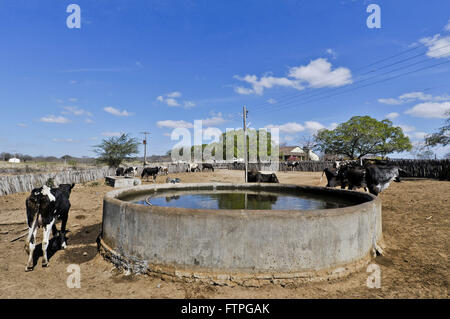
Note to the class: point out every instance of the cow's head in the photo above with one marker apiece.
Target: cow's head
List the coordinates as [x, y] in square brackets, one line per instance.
[66, 188]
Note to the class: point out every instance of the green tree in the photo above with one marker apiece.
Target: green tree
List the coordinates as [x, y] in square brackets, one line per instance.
[114, 150]
[441, 137]
[363, 135]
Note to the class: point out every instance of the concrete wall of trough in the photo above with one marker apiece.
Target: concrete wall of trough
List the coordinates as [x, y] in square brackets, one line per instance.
[240, 241]
[25, 183]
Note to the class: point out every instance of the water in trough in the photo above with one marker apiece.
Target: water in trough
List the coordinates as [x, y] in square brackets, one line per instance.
[251, 200]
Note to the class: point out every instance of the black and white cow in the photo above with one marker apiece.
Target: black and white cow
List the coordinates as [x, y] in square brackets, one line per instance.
[292, 165]
[333, 177]
[120, 171]
[192, 167]
[375, 178]
[207, 166]
[352, 176]
[150, 171]
[379, 177]
[45, 206]
[131, 171]
[254, 176]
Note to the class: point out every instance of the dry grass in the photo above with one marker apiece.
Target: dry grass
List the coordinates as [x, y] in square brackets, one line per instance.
[415, 264]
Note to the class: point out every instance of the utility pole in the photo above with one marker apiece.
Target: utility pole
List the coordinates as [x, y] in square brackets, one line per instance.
[145, 146]
[244, 115]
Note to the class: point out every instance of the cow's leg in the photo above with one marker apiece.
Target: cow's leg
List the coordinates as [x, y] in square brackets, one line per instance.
[31, 246]
[54, 230]
[45, 242]
[62, 233]
[55, 233]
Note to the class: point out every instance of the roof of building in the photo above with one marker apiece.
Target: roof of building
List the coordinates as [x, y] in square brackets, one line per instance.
[291, 150]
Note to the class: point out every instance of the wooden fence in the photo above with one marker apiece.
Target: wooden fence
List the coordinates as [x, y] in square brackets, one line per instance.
[437, 169]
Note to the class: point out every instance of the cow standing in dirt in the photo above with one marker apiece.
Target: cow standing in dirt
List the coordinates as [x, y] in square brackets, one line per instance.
[150, 171]
[45, 206]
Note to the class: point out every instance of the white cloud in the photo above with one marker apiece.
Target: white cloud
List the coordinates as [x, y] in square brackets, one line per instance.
[416, 96]
[313, 126]
[213, 121]
[54, 119]
[406, 128]
[112, 134]
[65, 140]
[333, 125]
[288, 138]
[172, 102]
[116, 112]
[73, 99]
[392, 115]
[290, 127]
[175, 94]
[174, 124]
[391, 101]
[429, 110]
[89, 121]
[293, 127]
[171, 99]
[332, 53]
[413, 96]
[76, 111]
[22, 125]
[189, 104]
[438, 46]
[265, 82]
[272, 101]
[243, 91]
[318, 73]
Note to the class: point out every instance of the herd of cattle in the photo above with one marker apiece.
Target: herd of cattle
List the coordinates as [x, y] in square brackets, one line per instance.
[355, 174]
[374, 177]
[45, 206]
[163, 170]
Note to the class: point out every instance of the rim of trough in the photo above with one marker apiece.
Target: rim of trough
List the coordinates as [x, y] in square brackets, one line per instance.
[112, 197]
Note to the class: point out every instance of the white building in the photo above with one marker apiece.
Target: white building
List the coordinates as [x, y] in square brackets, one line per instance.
[14, 160]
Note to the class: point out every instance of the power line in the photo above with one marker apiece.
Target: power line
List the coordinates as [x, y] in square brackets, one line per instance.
[357, 82]
[295, 95]
[363, 86]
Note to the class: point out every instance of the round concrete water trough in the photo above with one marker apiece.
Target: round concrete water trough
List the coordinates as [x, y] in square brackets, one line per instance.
[245, 247]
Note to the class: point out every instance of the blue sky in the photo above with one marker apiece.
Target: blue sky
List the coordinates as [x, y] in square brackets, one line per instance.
[156, 65]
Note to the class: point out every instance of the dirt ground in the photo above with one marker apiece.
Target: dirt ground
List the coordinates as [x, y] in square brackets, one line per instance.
[415, 264]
